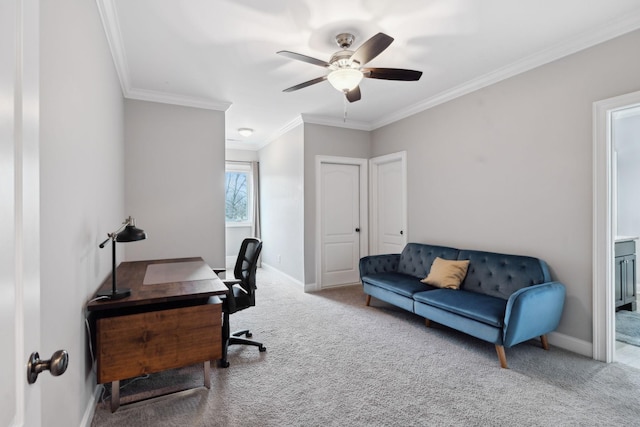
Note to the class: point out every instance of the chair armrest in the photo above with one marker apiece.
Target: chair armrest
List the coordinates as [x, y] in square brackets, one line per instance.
[533, 311]
[231, 282]
[234, 282]
[378, 264]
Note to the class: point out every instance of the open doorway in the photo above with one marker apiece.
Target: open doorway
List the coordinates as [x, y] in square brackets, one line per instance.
[625, 131]
[610, 242]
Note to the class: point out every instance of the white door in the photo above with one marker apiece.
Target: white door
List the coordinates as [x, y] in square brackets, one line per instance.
[340, 223]
[388, 199]
[19, 211]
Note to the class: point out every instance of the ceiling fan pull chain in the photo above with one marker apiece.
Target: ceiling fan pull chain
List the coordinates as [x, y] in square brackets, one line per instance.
[345, 107]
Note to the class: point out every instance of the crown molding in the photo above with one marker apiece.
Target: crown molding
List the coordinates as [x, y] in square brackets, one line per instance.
[589, 39]
[332, 121]
[169, 98]
[109, 16]
[297, 121]
[111, 24]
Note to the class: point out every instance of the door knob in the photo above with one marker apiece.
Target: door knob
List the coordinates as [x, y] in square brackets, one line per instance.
[57, 365]
[401, 232]
[357, 230]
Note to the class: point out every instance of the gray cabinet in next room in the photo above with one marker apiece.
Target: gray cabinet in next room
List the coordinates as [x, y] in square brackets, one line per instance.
[625, 274]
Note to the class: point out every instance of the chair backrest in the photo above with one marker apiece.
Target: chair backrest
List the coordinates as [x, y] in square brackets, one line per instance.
[247, 262]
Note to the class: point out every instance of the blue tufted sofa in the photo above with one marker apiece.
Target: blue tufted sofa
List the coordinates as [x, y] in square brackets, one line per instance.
[503, 299]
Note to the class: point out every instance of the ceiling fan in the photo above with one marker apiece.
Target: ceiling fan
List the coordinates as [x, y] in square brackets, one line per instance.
[347, 66]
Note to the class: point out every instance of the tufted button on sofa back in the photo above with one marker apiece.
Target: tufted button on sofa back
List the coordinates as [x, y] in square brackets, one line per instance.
[416, 258]
[375, 265]
[501, 275]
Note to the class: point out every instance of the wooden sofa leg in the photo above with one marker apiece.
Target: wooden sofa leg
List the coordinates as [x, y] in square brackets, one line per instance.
[502, 356]
[427, 322]
[368, 300]
[545, 343]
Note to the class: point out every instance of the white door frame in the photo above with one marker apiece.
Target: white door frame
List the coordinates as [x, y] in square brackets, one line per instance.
[20, 230]
[364, 204]
[374, 169]
[604, 224]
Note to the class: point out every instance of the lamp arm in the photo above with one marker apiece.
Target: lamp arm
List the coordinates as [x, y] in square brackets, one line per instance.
[112, 236]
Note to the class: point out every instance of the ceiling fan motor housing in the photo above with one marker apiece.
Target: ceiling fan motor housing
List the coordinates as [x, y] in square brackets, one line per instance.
[345, 40]
[342, 59]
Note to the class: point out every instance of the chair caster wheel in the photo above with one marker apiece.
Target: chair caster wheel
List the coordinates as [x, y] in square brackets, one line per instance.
[262, 349]
[248, 334]
[223, 363]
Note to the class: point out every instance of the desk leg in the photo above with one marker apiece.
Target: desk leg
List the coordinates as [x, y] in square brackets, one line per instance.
[115, 396]
[207, 374]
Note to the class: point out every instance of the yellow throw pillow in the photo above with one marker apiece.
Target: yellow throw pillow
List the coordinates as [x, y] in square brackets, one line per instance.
[446, 273]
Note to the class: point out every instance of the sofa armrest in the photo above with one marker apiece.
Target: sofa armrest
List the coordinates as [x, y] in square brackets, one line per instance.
[532, 312]
[379, 264]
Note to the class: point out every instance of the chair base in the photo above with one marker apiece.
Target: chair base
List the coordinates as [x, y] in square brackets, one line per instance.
[235, 339]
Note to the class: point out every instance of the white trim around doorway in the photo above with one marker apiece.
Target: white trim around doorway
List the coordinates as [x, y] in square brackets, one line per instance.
[603, 224]
[374, 165]
[364, 209]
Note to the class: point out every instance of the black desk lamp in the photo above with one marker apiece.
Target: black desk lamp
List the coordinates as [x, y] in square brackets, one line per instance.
[128, 232]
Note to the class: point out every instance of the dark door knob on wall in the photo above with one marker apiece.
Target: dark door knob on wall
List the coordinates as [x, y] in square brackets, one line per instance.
[357, 230]
[57, 365]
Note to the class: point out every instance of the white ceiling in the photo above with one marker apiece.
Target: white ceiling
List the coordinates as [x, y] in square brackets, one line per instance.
[221, 54]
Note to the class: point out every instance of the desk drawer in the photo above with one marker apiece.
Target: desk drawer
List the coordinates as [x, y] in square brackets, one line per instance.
[138, 344]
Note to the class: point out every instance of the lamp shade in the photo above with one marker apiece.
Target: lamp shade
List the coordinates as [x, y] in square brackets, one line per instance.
[345, 79]
[131, 233]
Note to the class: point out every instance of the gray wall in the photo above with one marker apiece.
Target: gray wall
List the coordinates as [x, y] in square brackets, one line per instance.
[509, 168]
[234, 236]
[81, 191]
[174, 174]
[282, 198]
[626, 131]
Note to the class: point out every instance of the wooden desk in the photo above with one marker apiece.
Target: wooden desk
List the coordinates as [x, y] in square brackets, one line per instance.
[160, 326]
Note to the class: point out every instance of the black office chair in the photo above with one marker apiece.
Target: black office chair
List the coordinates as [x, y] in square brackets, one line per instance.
[241, 295]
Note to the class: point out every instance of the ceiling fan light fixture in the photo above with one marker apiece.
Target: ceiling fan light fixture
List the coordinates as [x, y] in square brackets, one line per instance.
[345, 79]
[245, 132]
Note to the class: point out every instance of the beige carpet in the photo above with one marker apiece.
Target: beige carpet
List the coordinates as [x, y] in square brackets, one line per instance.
[331, 361]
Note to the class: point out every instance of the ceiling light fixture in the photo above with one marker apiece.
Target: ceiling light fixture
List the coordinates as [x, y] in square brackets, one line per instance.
[345, 79]
[245, 132]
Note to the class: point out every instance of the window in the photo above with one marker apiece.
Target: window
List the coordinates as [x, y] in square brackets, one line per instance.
[238, 194]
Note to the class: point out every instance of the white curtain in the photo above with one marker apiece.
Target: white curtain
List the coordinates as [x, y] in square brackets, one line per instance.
[255, 172]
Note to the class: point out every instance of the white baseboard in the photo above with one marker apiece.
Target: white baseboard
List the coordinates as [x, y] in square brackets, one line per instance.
[575, 345]
[283, 274]
[311, 287]
[90, 411]
[314, 287]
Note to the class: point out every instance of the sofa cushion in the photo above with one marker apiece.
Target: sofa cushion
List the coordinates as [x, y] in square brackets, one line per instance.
[416, 258]
[501, 275]
[398, 283]
[480, 307]
[446, 273]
